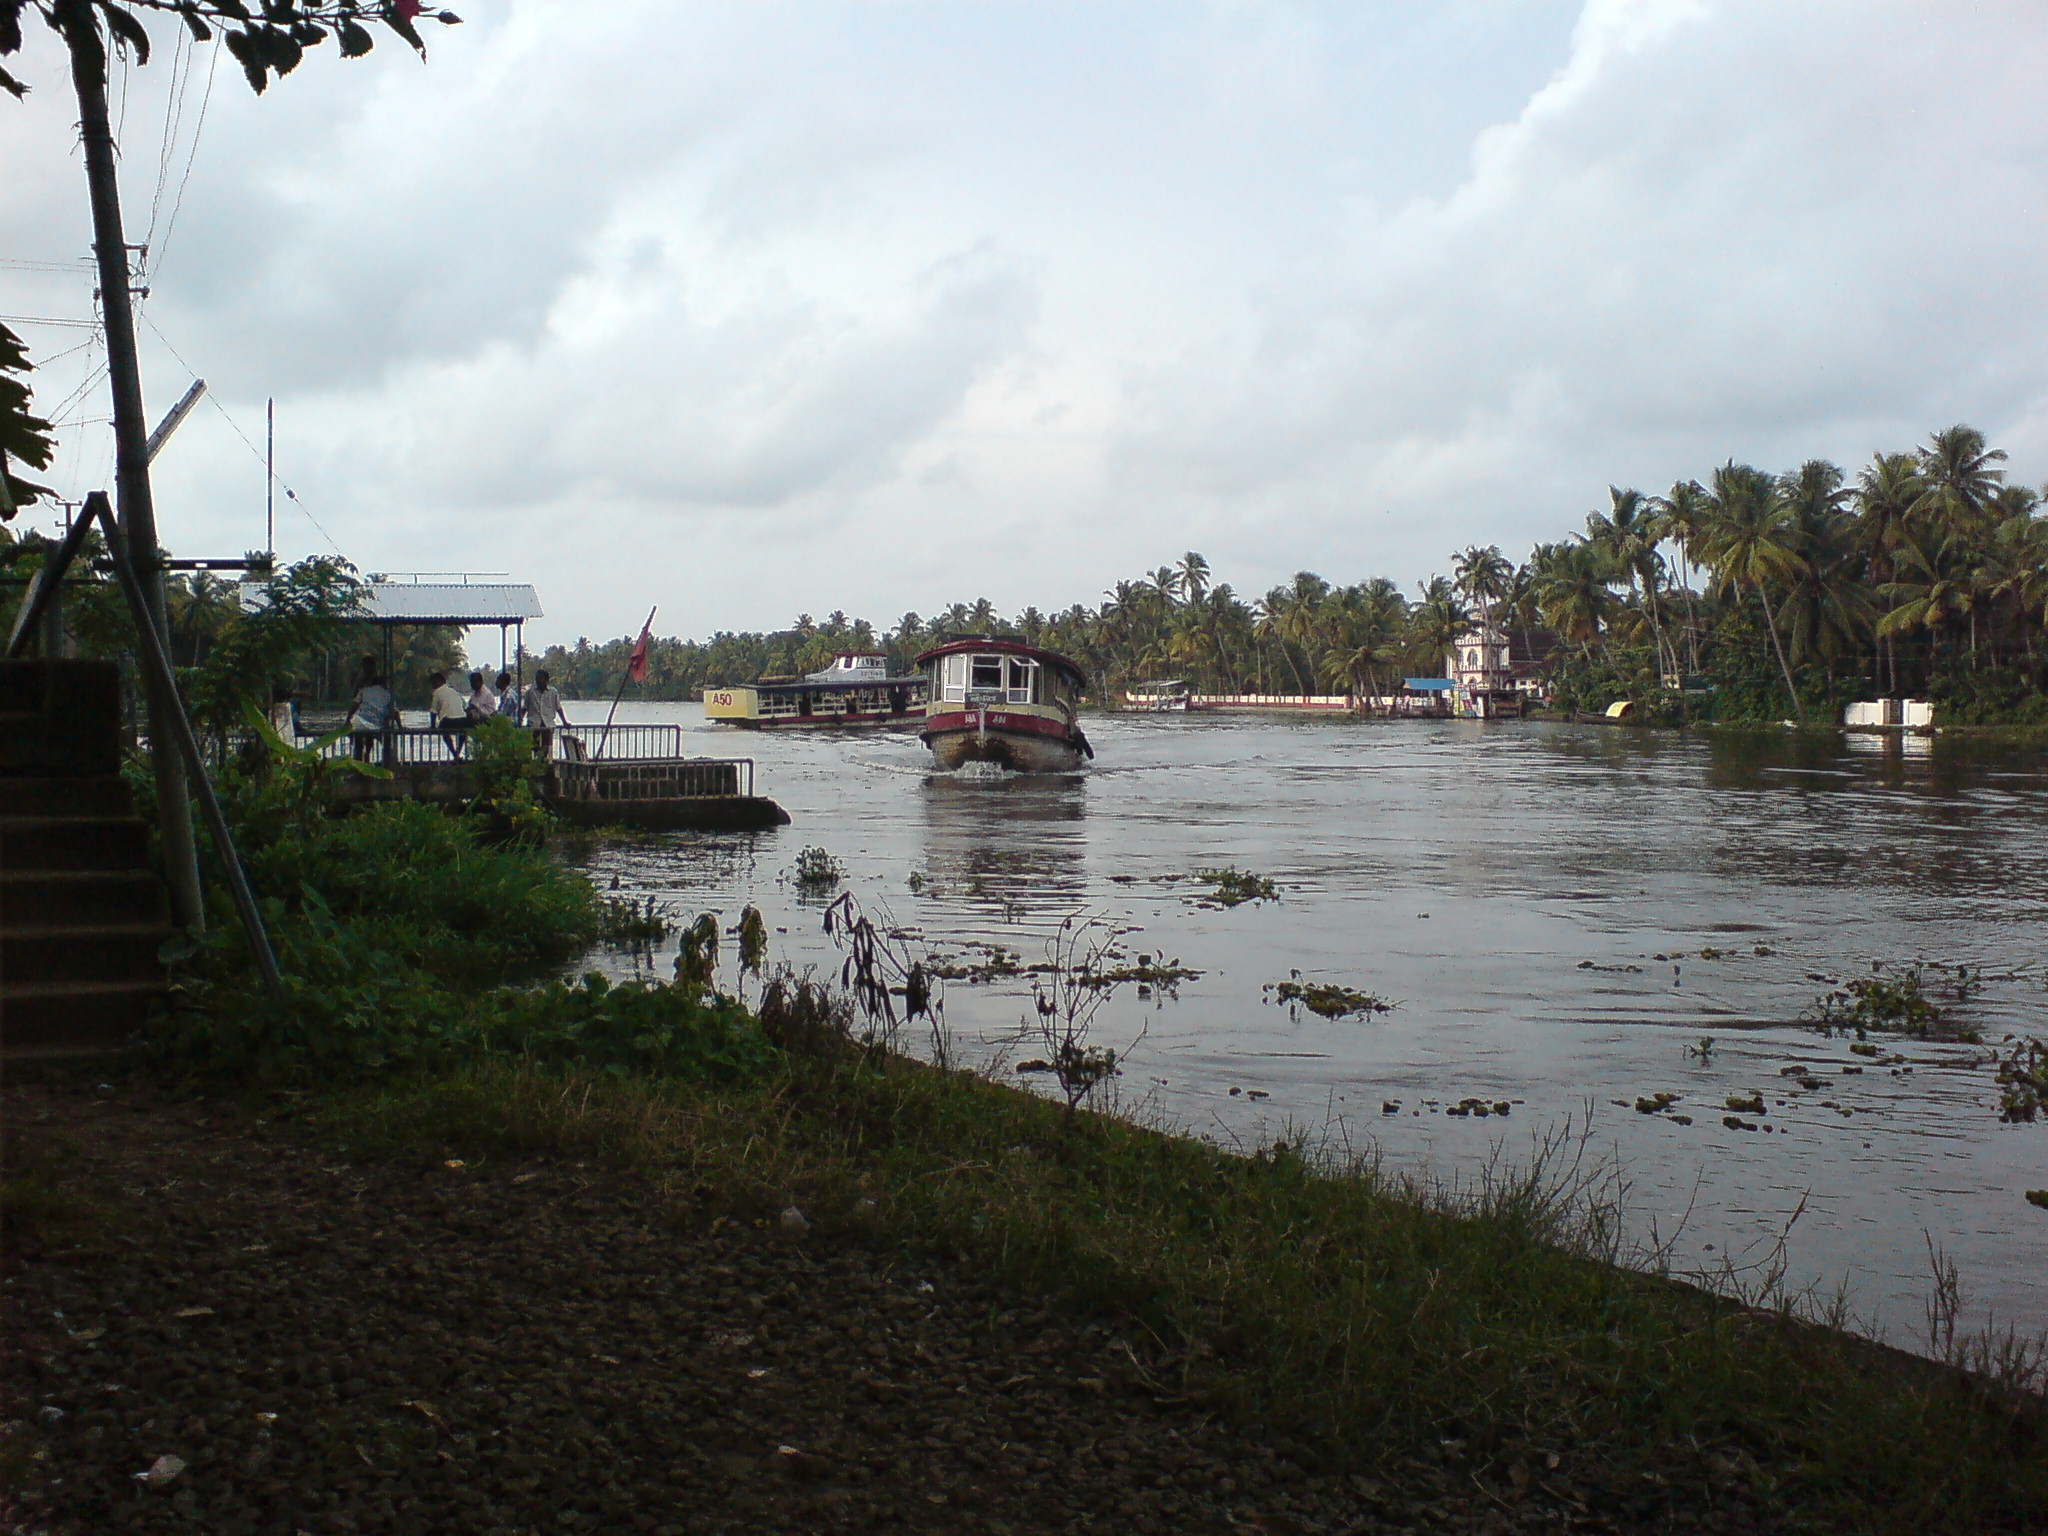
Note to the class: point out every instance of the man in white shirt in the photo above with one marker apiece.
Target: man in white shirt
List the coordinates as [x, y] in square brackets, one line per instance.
[543, 713]
[483, 702]
[451, 714]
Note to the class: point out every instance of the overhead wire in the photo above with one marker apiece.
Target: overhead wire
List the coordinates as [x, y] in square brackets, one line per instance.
[254, 452]
[191, 152]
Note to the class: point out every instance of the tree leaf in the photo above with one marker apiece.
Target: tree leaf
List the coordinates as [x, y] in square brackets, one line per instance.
[248, 52]
[201, 32]
[126, 28]
[403, 26]
[12, 86]
[355, 40]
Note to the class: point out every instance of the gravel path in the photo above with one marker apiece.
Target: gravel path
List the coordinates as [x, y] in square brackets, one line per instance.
[328, 1347]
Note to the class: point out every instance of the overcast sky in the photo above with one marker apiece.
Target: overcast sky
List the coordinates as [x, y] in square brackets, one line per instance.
[751, 308]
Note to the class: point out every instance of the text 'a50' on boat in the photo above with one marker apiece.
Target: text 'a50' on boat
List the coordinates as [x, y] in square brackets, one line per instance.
[1003, 702]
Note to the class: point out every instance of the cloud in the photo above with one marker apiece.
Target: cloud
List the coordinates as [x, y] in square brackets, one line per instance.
[874, 307]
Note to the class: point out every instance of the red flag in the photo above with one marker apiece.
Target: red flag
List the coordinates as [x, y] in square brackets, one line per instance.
[636, 665]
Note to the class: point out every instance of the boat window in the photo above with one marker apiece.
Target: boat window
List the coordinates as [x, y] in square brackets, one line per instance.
[1022, 676]
[951, 677]
[987, 672]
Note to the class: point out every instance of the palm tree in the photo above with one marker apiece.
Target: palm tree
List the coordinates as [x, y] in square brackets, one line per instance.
[1570, 589]
[1628, 533]
[1435, 623]
[1193, 572]
[1748, 543]
[1681, 513]
[1932, 587]
[1887, 491]
[1827, 610]
[1483, 575]
[1960, 479]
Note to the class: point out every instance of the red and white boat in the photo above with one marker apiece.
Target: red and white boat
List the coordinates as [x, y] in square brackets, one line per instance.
[1003, 702]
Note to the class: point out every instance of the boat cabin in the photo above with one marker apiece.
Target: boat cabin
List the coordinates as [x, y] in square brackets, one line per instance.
[853, 667]
[970, 677]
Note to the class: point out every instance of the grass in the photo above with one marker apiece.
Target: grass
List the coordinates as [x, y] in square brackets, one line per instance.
[1377, 1314]
[1381, 1316]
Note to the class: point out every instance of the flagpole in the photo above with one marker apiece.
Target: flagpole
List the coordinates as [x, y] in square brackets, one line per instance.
[646, 630]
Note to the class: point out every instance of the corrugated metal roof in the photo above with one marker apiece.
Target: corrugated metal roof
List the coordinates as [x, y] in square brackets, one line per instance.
[450, 602]
[433, 602]
[1427, 684]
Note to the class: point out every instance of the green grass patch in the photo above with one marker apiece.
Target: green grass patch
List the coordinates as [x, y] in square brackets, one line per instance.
[1379, 1314]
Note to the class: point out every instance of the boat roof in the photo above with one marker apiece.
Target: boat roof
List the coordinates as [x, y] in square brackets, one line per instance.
[985, 645]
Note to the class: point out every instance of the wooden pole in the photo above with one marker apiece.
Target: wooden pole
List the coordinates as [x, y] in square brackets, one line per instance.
[157, 663]
[80, 30]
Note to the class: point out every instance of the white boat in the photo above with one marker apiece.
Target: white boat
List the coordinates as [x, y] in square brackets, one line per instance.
[1169, 696]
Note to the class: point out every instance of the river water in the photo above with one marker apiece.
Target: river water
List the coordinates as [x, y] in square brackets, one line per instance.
[1537, 898]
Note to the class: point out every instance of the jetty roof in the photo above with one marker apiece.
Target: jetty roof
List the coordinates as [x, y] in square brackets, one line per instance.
[450, 602]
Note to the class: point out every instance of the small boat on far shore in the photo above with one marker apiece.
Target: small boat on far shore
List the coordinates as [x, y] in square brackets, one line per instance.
[1003, 702]
[1168, 696]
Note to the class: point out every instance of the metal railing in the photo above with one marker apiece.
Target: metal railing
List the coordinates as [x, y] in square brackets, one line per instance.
[424, 743]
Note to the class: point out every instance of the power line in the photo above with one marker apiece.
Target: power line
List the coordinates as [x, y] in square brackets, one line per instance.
[191, 153]
[254, 452]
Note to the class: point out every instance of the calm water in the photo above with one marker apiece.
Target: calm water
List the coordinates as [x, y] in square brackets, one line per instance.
[1512, 885]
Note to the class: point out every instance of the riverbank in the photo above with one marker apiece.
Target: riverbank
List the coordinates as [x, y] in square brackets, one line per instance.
[875, 1295]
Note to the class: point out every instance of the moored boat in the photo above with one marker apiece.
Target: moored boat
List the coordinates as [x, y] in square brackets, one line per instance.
[1003, 702]
[1168, 696]
[856, 690]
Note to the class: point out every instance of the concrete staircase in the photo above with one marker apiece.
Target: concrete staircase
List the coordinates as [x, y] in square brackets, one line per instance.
[82, 913]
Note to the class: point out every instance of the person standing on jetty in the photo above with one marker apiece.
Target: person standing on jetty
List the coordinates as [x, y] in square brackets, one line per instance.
[508, 698]
[543, 712]
[373, 713]
[451, 714]
[483, 700]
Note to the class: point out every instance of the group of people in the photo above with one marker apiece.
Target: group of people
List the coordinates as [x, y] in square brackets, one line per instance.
[374, 713]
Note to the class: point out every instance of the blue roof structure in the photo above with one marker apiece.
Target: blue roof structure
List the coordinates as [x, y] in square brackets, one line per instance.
[1427, 684]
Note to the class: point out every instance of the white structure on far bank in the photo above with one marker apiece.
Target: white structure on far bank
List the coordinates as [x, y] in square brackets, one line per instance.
[1494, 669]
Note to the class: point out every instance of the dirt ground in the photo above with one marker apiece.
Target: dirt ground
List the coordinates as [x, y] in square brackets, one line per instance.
[250, 1336]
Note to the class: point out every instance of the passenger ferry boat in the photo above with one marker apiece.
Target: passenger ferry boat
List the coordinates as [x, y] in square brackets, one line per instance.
[856, 690]
[1003, 702]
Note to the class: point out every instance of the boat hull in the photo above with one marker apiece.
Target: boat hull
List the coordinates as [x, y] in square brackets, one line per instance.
[1020, 741]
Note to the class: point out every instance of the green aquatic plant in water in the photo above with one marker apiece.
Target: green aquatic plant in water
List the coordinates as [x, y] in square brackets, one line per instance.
[1327, 998]
[1892, 1004]
[817, 871]
[2023, 1082]
[1233, 887]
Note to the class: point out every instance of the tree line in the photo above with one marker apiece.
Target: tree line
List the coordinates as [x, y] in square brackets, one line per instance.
[1740, 595]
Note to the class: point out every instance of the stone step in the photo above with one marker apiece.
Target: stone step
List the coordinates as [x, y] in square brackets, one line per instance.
[72, 1018]
[73, 842]
[101, 795]
[101, 952]
[59, 897]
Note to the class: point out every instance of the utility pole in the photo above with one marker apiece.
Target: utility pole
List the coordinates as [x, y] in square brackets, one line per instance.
[80, 29]
[270, 476]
